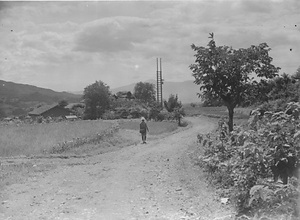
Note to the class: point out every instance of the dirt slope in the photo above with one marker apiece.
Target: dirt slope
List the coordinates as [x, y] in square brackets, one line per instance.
[153, 181]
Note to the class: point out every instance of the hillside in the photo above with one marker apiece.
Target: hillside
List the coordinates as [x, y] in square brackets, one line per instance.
[17, 99]
[187, 90]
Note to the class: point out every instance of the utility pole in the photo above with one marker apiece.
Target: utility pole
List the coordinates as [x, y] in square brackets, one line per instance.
[159, 81]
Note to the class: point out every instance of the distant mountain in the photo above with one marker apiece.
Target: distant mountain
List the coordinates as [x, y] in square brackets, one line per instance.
[16, 99]
[77, 92]
[186, 91]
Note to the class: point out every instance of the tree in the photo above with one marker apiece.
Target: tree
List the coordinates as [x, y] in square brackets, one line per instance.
[172, 103]
[155, 109]
[63, 103]
[179, 113]
[97, 100]
[129, 95]
[145, 92]
[281, 87]
[297, 74]
[208, 100]
[224, 72]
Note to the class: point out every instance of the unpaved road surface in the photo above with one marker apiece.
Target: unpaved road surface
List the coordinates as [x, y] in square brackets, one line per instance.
[155, 181]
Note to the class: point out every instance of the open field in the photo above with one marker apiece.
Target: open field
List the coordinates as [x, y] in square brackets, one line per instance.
[28, 140]
[32, 139]
[216, 112]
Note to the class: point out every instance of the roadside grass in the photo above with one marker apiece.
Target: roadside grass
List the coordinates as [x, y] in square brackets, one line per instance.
[33, 139]
[155, 128]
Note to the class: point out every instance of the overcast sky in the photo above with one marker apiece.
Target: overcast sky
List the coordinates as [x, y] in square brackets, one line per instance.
[66, 46]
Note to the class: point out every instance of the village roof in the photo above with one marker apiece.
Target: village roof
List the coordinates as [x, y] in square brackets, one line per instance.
[71, 117]
[40, 110]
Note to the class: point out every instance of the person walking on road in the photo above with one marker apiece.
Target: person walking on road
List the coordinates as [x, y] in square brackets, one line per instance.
[143, 129]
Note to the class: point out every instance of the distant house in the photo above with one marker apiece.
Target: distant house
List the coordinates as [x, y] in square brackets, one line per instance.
[50, 111]
[71, 117]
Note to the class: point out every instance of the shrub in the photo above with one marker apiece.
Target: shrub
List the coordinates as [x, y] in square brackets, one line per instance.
[178, 114]
[183, 123]
[172, 103]
[161, 116]
[244, 160]
[155, 109]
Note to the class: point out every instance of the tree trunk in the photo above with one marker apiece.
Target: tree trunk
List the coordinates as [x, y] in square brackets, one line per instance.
[230, 121]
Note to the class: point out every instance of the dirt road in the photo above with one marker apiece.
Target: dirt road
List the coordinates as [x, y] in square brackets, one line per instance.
[153, 181]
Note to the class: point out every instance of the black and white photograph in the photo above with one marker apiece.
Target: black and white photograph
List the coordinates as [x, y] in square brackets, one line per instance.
[150, 110]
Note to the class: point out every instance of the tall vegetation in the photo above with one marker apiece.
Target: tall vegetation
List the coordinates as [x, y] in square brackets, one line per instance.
[281, 90]
[145, 92]
[97, 100]
[224, 72]
[172, 103]
[63, 103]
[244, 162]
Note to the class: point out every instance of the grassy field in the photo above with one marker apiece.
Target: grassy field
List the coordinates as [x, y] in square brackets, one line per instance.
[32, 139]
[216, 112]
[37, 139]
[155, 128]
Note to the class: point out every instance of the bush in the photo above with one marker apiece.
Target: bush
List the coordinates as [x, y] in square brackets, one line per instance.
[172, 103]
[155, 109]
[274, 106]
[183, 123]
[130, 109]
[244, 161]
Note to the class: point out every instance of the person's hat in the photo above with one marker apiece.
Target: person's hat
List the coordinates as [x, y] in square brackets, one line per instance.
[143, 119]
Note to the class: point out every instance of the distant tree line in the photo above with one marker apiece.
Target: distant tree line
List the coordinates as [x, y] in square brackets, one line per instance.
[99, 99]
[282, 88]
[100, 103]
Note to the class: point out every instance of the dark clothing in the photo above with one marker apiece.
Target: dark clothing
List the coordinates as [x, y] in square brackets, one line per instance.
[143, 127]
[143, 130]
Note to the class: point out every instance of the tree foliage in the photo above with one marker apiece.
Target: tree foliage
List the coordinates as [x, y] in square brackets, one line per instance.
[97, 100]
[224, 72]
[284, 88]
[155, 109]
[172, 103]
[297, 74]
[178, 114]
[281, 88]
[145, 92]
[63, 103]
